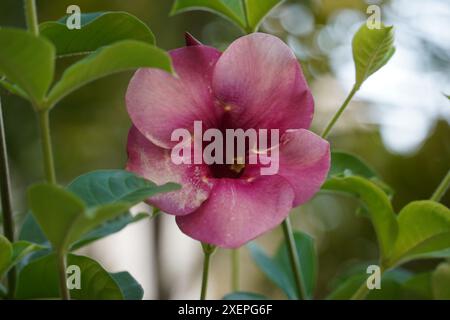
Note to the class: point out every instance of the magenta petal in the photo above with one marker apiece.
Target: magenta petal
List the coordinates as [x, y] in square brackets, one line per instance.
[238, 211]
[154, 163]
[159, 102]
[259, 81]
[304, 161]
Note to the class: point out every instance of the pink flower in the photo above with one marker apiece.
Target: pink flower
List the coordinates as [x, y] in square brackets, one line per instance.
[256, 83]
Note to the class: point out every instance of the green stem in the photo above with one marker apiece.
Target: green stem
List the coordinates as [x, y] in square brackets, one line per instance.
[208, 250]
[62, 267]
[247, 27]
[235, 269]
[363, 290]
[335, 118]
[361, 293]
[294, 258]
[31, 16]
[441, 189]
[46, 142]
[5, 185]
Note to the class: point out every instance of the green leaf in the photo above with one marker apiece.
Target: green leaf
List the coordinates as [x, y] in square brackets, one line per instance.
[6, 253]
[39, 280]
[418, 286]
[97, 30]
[232, 10]
[244, 296]
[392, 284]
[278, 269]
[12, 254]
[423, 232]
[344, 164]
[273, 270]
[108, 228]
[32, 232]
[130, 288]
[372, 49]
[377, 204]
[120, 56]
[441, 282]
[27, 61]
[308, 261]
[257, 10]
[110, 186]
[93, 206]
[57, 210]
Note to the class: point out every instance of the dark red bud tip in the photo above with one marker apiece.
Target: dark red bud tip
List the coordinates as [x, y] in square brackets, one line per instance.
[190, 40]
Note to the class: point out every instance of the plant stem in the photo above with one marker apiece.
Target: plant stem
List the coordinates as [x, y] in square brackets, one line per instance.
[361, 293]
[363, 290]
[62, 267]
[247, 29]
[235, 270]
[294, 258]
[441, 189]
[335, 118]
[5, 185]
[208, 250]
[31, 16]
[46, 143]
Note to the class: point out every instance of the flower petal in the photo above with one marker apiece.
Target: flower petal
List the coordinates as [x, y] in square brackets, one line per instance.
[159, 102]
[259, 82]
[304, 161]
[155, 164]
[238, 211]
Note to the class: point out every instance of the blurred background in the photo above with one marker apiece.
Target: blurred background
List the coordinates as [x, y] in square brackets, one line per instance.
[398, 122]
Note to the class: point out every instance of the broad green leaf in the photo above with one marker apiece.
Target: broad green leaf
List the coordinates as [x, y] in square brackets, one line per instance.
[244, 296]
[97, 30]
[308, 261]
[109, 186]
[130, 288]
[441, 282]
[56, 211]
[278, 269]
[377, 204]
[39, 280]
[32, 232]
[344, 164]
[257, 10]
[347, 283]
[232, 10]
[63, 217]
[93, 206]
[6, 253]
[27, 61]
[372, 49]
[423, 232]
[273, 270]
[21, 249]
[120, 56]
[391, 286]
[418, 286]
[11, 254]
[108, 228]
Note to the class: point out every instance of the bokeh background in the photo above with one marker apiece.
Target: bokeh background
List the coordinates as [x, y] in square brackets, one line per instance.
[398, 122]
